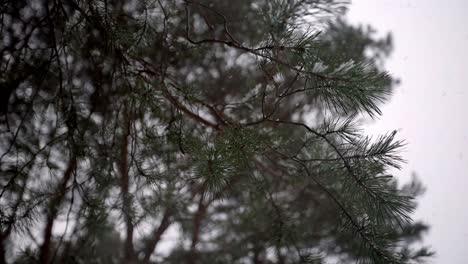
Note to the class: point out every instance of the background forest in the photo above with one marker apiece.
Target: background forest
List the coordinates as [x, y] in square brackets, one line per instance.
[197, 132]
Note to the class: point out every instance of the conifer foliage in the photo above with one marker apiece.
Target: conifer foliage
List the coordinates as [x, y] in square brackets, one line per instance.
[197, 131]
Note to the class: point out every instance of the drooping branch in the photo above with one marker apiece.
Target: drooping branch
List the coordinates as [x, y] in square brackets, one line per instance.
[358, 227]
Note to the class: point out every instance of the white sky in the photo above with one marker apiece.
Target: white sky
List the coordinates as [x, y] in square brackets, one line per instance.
[430, 108]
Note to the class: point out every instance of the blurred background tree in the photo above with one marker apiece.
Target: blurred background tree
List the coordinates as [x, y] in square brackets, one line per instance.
[197, 132]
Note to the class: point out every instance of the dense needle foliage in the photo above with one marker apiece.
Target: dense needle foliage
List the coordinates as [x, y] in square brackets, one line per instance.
[180, 131]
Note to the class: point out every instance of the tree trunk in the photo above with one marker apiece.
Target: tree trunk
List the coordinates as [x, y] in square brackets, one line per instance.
[158, 232]
[197, 220]
[129, 251]
[3, 238]
[44, 252]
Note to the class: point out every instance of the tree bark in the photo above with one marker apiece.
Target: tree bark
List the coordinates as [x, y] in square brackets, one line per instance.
[129, 251]
[157, 235]
[3, 238]
[44, 252]
[197, 221]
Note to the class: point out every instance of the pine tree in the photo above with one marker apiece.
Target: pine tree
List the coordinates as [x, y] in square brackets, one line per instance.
[229, 130]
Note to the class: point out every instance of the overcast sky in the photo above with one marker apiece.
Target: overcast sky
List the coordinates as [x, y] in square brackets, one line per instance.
[429, 108]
